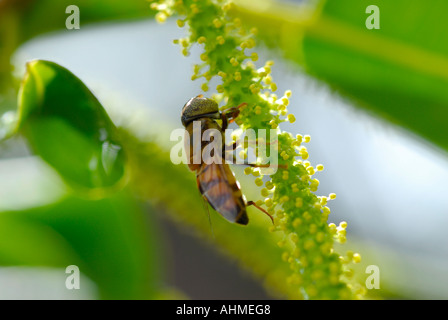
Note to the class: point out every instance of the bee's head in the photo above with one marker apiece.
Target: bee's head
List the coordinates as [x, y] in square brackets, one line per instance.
[199, 107]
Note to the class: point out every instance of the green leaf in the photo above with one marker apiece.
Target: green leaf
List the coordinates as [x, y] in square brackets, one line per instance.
[23, 242]
[90, 11]
[110, 240]
[67, 126]
[23, 20]
[398, 72]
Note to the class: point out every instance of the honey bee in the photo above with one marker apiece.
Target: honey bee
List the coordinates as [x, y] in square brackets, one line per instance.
[216, 181]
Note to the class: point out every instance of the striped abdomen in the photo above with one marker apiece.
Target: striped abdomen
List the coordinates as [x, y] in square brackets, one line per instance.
[219, 186]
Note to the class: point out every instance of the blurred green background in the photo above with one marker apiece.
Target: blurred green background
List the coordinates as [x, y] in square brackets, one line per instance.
[88, 181]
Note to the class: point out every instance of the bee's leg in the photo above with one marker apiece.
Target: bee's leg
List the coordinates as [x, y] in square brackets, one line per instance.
[233, 147]
[230, 114]
[255, 165]
[251, 203]
[225, 150]
[268, 143]
[225, 121]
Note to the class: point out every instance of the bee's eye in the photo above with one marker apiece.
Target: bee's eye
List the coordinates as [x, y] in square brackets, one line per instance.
[197, 107]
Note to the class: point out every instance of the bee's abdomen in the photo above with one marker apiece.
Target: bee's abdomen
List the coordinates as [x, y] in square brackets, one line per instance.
[219, 186]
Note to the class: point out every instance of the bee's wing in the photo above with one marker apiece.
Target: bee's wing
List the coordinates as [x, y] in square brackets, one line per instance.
[220, 188]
